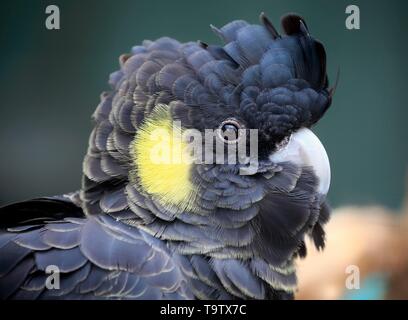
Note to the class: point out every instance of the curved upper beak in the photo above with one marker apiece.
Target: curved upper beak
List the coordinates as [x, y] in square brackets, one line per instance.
[306, 150]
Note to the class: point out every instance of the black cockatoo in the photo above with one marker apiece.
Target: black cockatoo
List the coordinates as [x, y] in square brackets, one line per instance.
[141, 229]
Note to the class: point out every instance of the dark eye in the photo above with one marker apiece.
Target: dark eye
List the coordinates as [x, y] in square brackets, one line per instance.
[229, 131]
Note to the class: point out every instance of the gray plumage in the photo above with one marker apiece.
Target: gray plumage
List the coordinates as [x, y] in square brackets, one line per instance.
[112, 240]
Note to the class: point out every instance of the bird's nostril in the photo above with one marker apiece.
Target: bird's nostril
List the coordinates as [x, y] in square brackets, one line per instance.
[283, 143]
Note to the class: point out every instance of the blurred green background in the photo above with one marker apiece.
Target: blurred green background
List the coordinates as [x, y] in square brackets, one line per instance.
[50, 83]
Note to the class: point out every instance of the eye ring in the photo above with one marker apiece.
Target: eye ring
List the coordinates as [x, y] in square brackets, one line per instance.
[234, 126]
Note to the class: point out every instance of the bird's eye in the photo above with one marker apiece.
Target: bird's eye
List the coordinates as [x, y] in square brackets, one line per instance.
[229, 131]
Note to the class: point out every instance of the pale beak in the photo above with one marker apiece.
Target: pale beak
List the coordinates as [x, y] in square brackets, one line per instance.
[305, 150]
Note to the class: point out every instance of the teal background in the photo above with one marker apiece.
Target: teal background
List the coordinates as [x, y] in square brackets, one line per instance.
[373, 287]
[50, 83]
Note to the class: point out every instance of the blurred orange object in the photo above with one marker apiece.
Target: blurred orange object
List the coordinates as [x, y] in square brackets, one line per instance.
[372, 238]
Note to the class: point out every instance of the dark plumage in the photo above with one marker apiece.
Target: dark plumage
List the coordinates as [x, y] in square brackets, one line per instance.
[114, 240]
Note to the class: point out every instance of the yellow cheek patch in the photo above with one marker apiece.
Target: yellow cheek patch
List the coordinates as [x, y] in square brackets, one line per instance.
[162, 161]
